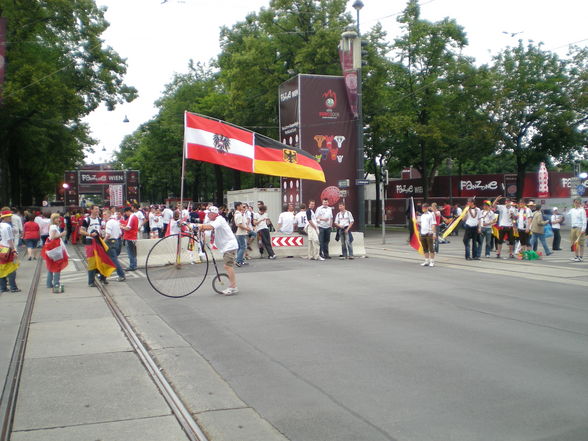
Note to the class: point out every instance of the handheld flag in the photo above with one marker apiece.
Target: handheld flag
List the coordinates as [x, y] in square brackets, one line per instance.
[221, 143]
[415, 237]
[98, 258]
[455, 223]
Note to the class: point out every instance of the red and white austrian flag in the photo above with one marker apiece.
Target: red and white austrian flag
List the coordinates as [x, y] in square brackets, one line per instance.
[219, 143]
[287, 241]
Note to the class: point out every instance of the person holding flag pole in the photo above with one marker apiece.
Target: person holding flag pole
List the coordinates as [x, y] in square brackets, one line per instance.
[427, 227]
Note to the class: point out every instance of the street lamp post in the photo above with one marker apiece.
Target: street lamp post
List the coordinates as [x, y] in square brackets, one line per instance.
[357, 5]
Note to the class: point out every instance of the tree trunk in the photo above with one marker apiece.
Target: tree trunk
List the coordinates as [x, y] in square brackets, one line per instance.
[521, 169]
[236, 180]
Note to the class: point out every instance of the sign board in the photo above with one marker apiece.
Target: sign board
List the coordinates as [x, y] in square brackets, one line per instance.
[344, 183]
[343, 193]
[362, 182]
[574, 184]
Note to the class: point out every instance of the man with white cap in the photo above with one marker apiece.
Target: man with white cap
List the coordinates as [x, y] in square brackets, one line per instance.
[226, 242]
[556, 221]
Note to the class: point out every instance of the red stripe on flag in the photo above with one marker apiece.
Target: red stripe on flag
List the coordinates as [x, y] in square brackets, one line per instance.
[209, 125]
[207, 154]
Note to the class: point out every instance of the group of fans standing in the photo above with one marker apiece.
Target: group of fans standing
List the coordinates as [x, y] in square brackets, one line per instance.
[520, 225]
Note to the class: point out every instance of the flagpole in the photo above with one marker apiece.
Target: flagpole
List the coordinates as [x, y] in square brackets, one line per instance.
[183, 165]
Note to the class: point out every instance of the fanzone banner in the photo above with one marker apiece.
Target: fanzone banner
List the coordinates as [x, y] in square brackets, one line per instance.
[234, 147]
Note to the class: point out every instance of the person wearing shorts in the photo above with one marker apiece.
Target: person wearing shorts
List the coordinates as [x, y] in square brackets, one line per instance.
[226, 242]
[578, 230]
[506, 215]
[428, 229]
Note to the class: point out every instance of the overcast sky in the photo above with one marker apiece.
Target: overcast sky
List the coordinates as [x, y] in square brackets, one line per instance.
[157, 39]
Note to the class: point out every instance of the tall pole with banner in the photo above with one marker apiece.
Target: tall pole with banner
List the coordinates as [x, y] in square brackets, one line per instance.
[357, 5]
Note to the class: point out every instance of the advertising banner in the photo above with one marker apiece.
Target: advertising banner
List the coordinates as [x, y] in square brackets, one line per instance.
[327, 130]
[116, 195]
[289, 92]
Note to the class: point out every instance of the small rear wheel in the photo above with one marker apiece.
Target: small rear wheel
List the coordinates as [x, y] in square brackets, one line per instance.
[220, 282]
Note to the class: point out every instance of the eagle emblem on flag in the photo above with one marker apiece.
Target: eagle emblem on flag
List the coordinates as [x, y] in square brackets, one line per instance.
[221, 143]
[290, 156]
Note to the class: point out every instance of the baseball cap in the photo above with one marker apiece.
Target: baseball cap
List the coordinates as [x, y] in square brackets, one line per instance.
[213, 209]
[554, 209]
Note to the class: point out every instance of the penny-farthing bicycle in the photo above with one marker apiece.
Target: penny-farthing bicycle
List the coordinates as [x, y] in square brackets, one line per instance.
[177, 265]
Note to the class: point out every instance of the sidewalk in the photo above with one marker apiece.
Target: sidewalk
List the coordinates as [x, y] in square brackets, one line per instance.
[80, 379]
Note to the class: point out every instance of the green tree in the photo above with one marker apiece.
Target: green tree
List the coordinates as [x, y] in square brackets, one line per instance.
[57, 72]
[540, 105]
[434, 97]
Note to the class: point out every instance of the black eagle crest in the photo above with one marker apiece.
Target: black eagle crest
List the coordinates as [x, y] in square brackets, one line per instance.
[221, 143]
[290, 156]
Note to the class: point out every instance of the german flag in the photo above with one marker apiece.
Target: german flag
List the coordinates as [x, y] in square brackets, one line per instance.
[415, 237]
[277, 159]
[98, 258]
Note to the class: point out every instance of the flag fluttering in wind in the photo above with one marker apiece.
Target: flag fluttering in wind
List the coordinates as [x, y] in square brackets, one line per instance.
[415, 237]
[221, 143]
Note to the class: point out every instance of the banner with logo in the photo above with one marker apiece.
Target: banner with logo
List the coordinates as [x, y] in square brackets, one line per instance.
[327, 131]
[116, 195]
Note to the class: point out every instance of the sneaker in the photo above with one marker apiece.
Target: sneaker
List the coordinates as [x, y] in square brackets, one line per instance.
[92, 285]
[581, 258]
[272, 257]
[321, 258]
[4, 290]
[575, 259]
[476, 258]
[230, 291]
[341, 257]
[432, 264]
[425, 264]
[238, 265]
[487, 255]
[121, 279]
[350, 257]
[16, 290]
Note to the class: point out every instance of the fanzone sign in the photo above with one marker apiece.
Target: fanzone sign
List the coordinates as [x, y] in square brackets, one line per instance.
[296, 241]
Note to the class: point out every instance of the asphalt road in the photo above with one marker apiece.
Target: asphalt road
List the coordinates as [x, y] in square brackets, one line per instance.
[383, 349]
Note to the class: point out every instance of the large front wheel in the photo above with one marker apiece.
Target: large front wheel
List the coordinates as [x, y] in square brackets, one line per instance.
[176, 265]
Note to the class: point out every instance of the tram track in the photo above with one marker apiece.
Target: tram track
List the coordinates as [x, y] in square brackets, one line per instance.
[178, 408]
[12, 382]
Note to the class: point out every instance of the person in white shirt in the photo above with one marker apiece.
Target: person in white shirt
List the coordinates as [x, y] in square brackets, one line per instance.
[43, 222]
[506, 214]
[7, 244]
[428, 229]
[344, 222]
[487, 219]
[556, 220]
[523, 224]
[226, 243]
[578, 232]
[260, 221]
[156, 223]
[313, 233]
[300, 221]
[324, 217]
[167, 215]
[141, 216]
[17, 228]
[243, 230]
[286, 220]
[472, 228]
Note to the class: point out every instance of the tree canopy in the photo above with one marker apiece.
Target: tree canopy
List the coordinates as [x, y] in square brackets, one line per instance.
[58, 71]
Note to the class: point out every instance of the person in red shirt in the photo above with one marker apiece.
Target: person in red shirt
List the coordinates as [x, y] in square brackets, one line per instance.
[31, 236]
[131, 230]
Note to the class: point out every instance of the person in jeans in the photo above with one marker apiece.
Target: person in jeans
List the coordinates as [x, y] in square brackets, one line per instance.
[90, 230]
[131, 230]
[54, 267]
[344, 222]
[538, 228]
[7, 244]
[112, 238]
[260, 221]
[324, 218]
[241, 234]
[487, 219]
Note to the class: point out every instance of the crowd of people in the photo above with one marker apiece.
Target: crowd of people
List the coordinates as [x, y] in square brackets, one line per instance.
[513, 229]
